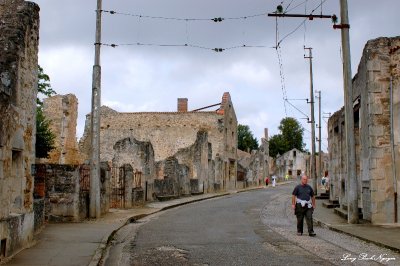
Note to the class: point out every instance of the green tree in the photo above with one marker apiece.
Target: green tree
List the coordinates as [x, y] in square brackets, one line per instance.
[276, 145]
[290, 137]
[44, 87]
[246, 140]
[44, 136]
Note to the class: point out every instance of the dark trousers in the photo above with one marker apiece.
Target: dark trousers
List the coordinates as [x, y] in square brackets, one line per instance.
[301, 213]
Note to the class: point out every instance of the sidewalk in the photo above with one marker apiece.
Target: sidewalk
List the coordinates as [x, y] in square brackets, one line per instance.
[83, 243]
[387, 236]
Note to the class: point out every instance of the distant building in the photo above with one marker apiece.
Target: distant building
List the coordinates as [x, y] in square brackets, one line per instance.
[292, 163]
[191, 147]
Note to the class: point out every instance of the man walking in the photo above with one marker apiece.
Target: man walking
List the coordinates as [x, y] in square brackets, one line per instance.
[303, 204]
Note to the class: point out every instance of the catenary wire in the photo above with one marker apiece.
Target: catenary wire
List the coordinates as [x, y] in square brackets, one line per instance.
[215, 19]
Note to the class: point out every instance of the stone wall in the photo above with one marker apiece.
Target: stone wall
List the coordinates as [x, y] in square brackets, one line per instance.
[168, 133]
[254, 167]
[62, 193]
[337, 156]
[19, 36]
[371, 95]
[62, 111]
[66, 191]
[291, 163]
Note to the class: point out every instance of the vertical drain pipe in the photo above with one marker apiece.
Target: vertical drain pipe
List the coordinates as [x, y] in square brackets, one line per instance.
[393, 150]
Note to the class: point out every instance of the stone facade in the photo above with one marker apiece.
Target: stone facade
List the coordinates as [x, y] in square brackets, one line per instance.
[62, 111]
[254, 167]
[64, 191]
[205, 142]
[378, 72]
[19, 36]
[292, 163]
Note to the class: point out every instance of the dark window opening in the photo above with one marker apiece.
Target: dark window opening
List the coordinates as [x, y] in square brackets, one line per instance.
[294, 153]
[336, 129]
[356, 118]
[3, 246]
[16, 163]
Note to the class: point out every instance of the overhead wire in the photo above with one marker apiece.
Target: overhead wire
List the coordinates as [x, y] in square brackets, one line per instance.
[287, 6]
[288, 10]
[305, 25]
[279, 51]
[215, 19]
[306, 116]
[304, 21]
[281, 72]
[113, 45]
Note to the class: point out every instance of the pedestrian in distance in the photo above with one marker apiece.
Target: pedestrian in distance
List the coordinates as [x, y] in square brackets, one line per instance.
[273, 180]
[323, 180]
[266, 181]
[303, 204]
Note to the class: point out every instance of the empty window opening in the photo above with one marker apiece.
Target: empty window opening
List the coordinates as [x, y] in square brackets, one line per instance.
[3, 248]
[336, 129]
[16, 163]
[357, 118]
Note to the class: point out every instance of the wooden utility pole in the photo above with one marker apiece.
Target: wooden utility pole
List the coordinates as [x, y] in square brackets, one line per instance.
[312, 161]
[351, 186]
[94, 206]
[320, 173]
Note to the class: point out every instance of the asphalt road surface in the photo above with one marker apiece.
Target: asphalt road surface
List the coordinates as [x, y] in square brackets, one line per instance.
[251, 228]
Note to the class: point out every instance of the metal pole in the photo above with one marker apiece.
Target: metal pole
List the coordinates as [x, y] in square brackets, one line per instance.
[352, 186]
[94, 209]
[393, 150]
[312, 162]
[320, 173]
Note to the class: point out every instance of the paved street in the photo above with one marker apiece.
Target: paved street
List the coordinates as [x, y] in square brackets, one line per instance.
[252, 228]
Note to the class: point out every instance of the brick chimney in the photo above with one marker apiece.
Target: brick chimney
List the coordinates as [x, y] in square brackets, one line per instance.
[266, 133]
[182, 104]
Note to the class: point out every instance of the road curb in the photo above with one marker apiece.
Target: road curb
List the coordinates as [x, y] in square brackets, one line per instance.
[99, 253]
[335, 229]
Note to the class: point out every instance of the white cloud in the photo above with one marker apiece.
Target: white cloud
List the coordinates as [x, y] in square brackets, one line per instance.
[139, 78]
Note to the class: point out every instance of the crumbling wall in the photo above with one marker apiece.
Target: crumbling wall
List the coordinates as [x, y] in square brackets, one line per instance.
[380, 64]
[138, 154]
[19, 36]
[62, 111]
[371, 95]
[172, 179]
[62, 193]
[168, 132]
[336, 137]
[195, 158]
[254, 165]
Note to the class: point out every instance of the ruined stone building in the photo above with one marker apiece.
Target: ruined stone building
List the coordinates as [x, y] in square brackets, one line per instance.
[62, 111]
[254, 167]
[324, 165]
[292, 163]
[19, 36]
[375, 90]
[195, 149]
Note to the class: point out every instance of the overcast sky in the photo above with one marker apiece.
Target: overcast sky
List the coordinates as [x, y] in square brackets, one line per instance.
[151, 78]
